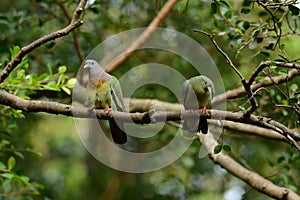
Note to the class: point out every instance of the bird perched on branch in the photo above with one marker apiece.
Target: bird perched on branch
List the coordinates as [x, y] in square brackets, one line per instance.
[197, 93]
[104, 92]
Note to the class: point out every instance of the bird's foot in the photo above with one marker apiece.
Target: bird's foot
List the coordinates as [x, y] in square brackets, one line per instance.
[107, 109]
[203, 110]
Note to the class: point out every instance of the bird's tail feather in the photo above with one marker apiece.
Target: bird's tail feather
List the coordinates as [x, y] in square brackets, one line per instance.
[203, 126]
[195, 125]
[117, 133]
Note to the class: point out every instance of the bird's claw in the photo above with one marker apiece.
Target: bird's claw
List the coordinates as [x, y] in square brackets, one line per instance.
[203, 110]
[107, 109]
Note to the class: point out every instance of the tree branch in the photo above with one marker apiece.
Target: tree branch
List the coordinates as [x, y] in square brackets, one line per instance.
[144, 36]
[74, 33]
[252, 178]
[262, 65]
[146, 117]
[238, 92]
[246, 85]
[250, 130]
[75, 22]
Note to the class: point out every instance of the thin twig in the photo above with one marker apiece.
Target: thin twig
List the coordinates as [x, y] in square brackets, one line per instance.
[238, 92]
[246, 85]
[262, 65]
[75, 22]
[228, 60]
[75, 33]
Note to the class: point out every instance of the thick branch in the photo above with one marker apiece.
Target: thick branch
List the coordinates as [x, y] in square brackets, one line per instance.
[145, 117]
[162, 14]
[75, 22]
[252, 178]
[249, 130]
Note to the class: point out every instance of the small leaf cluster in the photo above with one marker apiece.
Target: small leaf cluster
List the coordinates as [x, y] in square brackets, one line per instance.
[23, 83]
[263, 33]
[15, 186]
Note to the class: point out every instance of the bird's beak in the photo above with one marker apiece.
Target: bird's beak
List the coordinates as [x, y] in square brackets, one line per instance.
[86, 66]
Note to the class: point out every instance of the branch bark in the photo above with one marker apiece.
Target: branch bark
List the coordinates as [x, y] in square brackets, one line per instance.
[238, 92]
[250, 177]
[151, 116]
[75, 22]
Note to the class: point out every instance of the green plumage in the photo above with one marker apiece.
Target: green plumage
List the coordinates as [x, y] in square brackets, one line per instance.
[104, 92]
[197, 94]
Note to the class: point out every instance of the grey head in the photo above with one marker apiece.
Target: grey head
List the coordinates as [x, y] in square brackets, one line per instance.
[96, 72]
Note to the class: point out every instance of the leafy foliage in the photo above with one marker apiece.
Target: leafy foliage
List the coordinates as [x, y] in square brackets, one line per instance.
[249, 31]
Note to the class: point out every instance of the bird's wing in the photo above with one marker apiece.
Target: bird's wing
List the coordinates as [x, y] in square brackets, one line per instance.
[116, 94]
[185, 91]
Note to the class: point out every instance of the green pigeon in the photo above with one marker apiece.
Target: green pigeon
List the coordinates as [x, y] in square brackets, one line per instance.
[197, 93]
[104, 92]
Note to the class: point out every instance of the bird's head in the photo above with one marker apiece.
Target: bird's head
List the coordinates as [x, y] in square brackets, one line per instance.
[96, 72]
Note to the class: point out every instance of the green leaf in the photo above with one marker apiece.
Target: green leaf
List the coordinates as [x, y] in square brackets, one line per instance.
[284, 73]
[255, 33]
[246, 25]
[14, 51]
[66, 90]
[217, 149]
[71, 82]
[294, 87]
[51, 85]
[226, 148]
[213, 7]
[6, 185]
[2, 166]
[245, 10]
[25, 179]
[282, 46]
[228, 14]
[62, 69]
[7, 175]
[43, 77]
[294, 10]
[242, 108]
[183, 6]
[19, 154]
[247, 3]
[225, 3]
[285, 178]
[11, 163]
[50, 70]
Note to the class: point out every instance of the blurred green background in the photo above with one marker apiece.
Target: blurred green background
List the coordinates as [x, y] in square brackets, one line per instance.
[47, 148]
